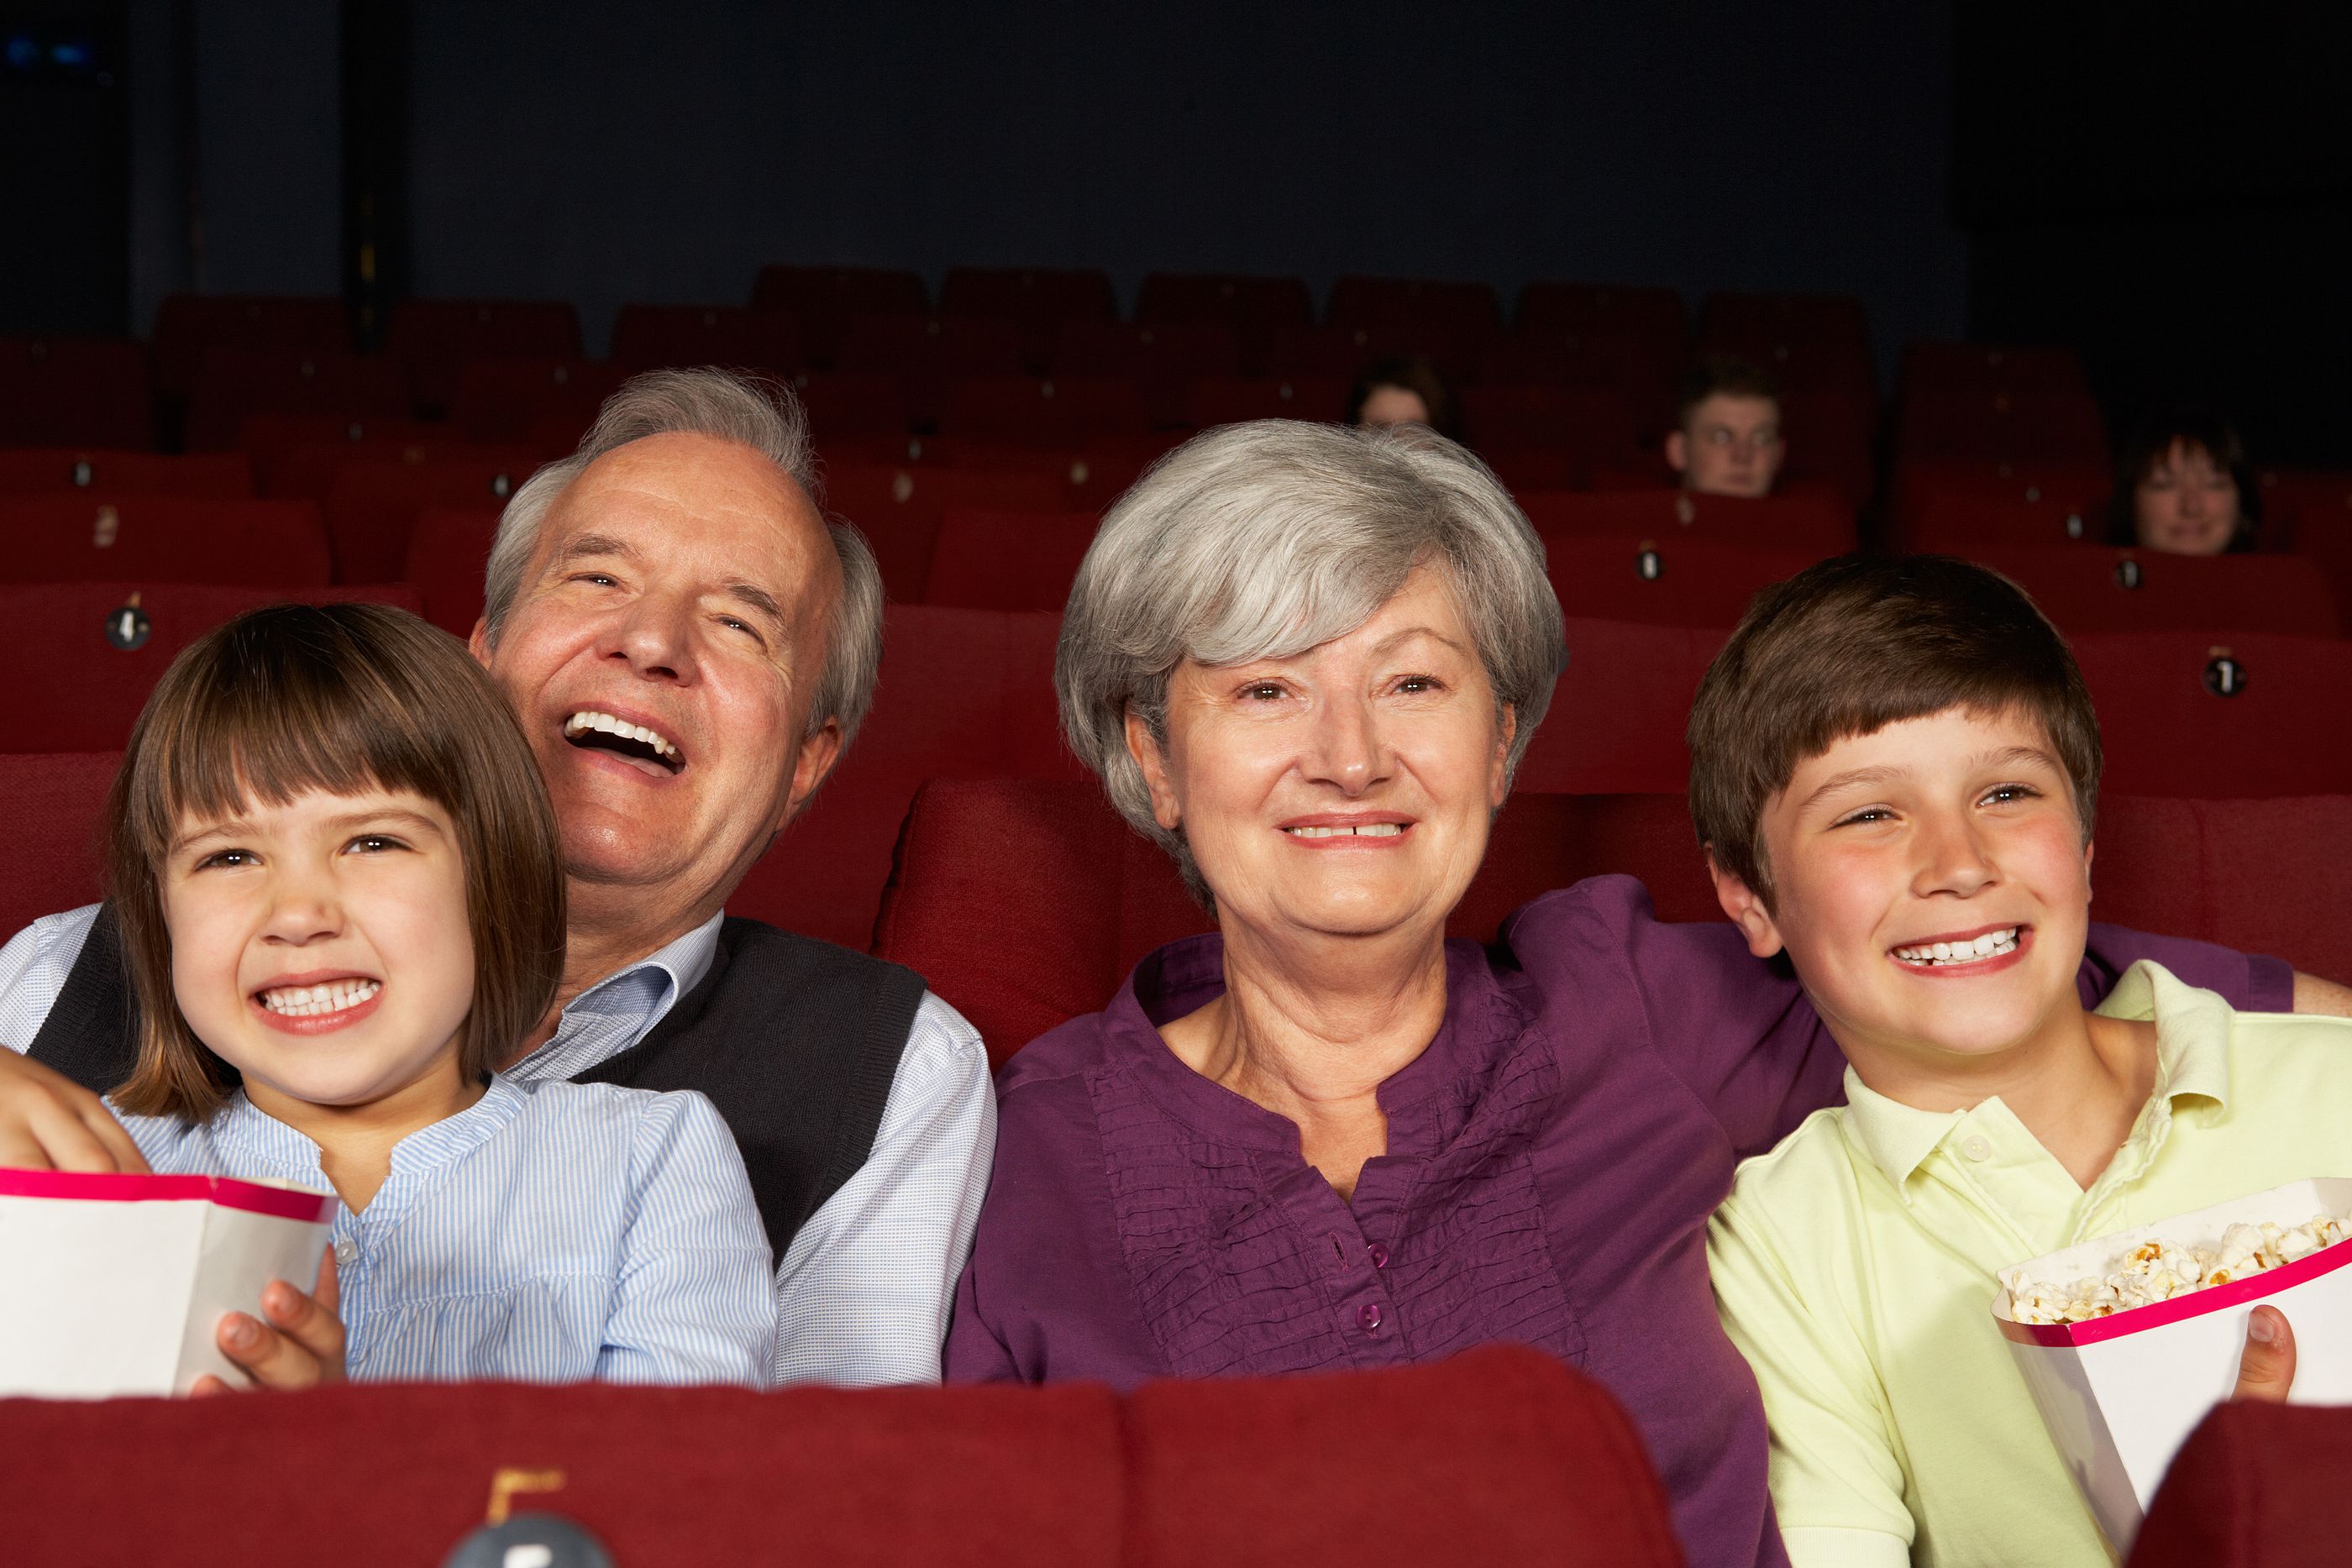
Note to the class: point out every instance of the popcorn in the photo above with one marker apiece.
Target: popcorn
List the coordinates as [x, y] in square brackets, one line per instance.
[2160, 1271]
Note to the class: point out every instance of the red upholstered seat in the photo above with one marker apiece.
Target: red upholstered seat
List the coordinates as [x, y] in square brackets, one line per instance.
[292, 453]
[1948, 524]
[72, 392]
[510, 399]
[163, 539]
[1500, 1456]
[2085, 589]
[1813, 519]
[648, 337]
[69, 470]
[447, 552]
[375, 498]
[1805, 340]
[899, 509]
[1007, 561]
[90, 690]
[1251, 308]
[2057, 427]
[852, 405]
[1050, 411]
[1073, 897]
[1461, 313]
[188, 327]
[2256, 1486]
[1334, 352]
[232, 385]
[820, 299]
[1990, 367]
[1661, 580]
[435, 338]
[1028, 293]
[1949, 488]
[56, 803]
[965, 694]
[1228, 399]
[1158, 356]
[1616, 721]
[2190, 715]
[1591, 427]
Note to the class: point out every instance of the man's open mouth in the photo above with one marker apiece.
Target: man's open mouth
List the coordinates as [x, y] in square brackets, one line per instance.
[592, 730]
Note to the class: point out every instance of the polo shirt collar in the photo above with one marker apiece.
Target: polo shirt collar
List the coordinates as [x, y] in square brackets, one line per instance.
[2192, 1058]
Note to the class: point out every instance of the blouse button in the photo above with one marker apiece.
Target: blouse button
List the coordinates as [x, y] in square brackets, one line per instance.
[1976, 1149]
[347, 1252]
[1369, 1314]
[1379, 1256]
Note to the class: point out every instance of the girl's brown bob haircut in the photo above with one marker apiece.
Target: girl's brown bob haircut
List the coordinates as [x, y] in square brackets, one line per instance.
[341, 698]
[1852, 645]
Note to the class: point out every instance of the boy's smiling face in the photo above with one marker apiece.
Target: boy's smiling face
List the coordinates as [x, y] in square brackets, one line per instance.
[1955, 835]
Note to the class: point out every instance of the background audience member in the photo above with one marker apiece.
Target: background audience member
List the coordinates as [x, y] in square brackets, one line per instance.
[2183, 486]
[1726, 436]
[1405, 390]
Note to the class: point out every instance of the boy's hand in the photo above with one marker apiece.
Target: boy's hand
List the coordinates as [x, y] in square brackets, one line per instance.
[2266, 1371]
[47, 1121]
[301, 1346]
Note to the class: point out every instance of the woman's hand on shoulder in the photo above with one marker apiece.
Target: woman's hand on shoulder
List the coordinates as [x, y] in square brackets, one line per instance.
[298, 1343]
[47, 1121]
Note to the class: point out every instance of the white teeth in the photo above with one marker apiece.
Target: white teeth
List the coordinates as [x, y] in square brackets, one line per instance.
[308, 1001]
[1992, 945]
[1361, 830]
[590, 718]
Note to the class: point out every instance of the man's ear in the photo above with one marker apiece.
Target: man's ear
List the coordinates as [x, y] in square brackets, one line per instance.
[1146, 752]
[1678, 452]
[1746, 907]
[478, 644]
[818, 755]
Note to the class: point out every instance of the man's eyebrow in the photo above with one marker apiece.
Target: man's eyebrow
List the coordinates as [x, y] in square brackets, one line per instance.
[758, 598]
[1852, 777]
[584, 546]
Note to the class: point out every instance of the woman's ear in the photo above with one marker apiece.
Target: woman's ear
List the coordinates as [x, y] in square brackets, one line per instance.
[1499, 778]
[1746, 907]
[1146, 754]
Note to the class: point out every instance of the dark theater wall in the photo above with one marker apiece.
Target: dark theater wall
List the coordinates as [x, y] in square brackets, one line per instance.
[606, 151]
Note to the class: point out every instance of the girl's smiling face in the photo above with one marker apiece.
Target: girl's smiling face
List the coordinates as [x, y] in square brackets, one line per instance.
[320, 947]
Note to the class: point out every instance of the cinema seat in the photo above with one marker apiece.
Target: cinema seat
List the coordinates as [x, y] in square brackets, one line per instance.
[1661, 582]
[820, 299]
[1036, 301]
[2255, 1486]
[1062, 411]
[857, 407]
[899, 509]
[1463, 313]
[2190, 715]
[2091, 587]
[163, 539]
[91, 688]
[433, 338]
[514, 399]
[69, 470]
[57, 806]
[232, 385]
[1947, 524]
[1211, 400]
[1990, 367]
[2054, 428]
[375, 500]
[1501, 1457]
[1159, 357]
[935, 346]
[1007, 561]
[447, 552]
[1949, 487]
[188, 327]
[1251, 308]
[1815, 519]
[964, 695]
[650, 337]
[1074, 896]
[1795, 318]
[291, 452]
[74, 391]
[1615, 725]
[1591, 427]
[1334, 352]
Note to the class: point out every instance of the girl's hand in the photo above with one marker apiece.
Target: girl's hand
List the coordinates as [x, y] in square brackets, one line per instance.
[47, 1121]
[301, 1346]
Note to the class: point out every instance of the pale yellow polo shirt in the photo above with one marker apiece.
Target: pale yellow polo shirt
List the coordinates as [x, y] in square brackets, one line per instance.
[1853, 1266]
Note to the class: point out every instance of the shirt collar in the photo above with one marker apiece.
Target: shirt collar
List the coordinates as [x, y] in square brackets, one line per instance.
[2192, 1059]
[661, 976]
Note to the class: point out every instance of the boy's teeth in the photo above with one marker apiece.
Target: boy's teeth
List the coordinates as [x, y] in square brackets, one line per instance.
[1992, 945]
[1362, 831]
[590, 718]
[306, 1001]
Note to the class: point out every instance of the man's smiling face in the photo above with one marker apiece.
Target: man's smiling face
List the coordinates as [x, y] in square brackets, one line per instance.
[663, 653]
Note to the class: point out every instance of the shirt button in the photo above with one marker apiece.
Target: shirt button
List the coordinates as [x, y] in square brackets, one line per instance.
[1369, 1314]
[1977, 1148]
[1379, 1256]
[347, 1252]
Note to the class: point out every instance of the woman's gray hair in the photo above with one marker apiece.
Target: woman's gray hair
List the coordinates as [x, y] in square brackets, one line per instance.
[761, 414]
[1262, 540]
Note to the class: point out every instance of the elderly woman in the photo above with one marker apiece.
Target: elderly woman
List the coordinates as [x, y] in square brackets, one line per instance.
[1306, 660]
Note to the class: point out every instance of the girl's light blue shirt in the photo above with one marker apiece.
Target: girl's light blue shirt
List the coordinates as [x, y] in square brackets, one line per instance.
[551, 1232]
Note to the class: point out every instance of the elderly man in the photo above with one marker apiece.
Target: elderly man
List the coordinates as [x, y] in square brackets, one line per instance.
[690, 648]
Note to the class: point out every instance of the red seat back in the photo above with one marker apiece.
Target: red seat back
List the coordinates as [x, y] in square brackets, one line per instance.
[1062, 411]
[1661, 582]
[188, 327]
[1990, 367]
[56, 805]
[1008, 560]
[69, 470]
[163, 539]
[435, 338]
[2055, 428]
[375, 499]
[1615, 725]
[1251, 308]
[648, 337]
[74, 391]
[820, 299]
[516, 399]
[897, 508]
[2189, 714]
[1212, 401]
[1158, 356]
[2256, 1486]
[290, 451]
[2085, 589]
[90, 690]
[232, 385]
[1591, 426]
[447, 550]
[1811, 519]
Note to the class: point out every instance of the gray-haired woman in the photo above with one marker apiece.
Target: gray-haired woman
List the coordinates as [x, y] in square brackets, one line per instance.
[1306, 659]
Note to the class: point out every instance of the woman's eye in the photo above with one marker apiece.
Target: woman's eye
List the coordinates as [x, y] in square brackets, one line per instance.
[1419, 685]
[1262, 692]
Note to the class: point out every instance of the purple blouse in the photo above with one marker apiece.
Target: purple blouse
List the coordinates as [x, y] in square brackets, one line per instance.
[1553, 1156]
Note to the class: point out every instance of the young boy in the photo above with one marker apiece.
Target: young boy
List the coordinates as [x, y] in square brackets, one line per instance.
[1895, 767]
[1726, 436]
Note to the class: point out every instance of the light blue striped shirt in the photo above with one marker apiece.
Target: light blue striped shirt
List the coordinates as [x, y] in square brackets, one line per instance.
[548, 1233]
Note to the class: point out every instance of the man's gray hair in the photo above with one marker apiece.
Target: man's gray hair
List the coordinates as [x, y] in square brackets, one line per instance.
[1261, 541]
[761, 414]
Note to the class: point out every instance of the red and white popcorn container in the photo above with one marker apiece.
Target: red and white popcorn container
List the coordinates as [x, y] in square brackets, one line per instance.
[2120, 1393]
[114, 1284]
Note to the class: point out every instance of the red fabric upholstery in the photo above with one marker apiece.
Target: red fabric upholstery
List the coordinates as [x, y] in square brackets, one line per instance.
[2166, 732]
[1333, 352]
[964, 695]
[190, 325]
[69, 470]
[862, 405]
[435, 338]
[1036, 301]
[71, 391]
[645, 337]
[56, 802]
[1073, 898]
[899, 509]
[2081, 589]
[1593, 426]
[820, 299]
[1460, 309]
[1160, 356]
[1252, 308]
[1814, 520]
[2024, 427]
[90, 690]
[1919, 486]
[1212, 401]
[446, 553]
[296, 453]
[1990, 367]
[1499, 1457]
[1008, 560]
[2256, 1486]
[1695, 582]
[1054, 410]
[510, 399]
[164, 539]
[375, 497]
[1615, 725]
[1947, 524]
[234, 384]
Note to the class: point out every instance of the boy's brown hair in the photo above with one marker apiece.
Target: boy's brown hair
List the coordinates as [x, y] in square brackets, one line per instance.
[1720, 375]
[339, 697]
[1852, 645]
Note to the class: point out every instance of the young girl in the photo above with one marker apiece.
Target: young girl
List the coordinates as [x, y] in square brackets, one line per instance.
[340, 895]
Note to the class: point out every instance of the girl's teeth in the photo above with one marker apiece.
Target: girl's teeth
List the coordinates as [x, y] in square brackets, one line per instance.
[309, 1001]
